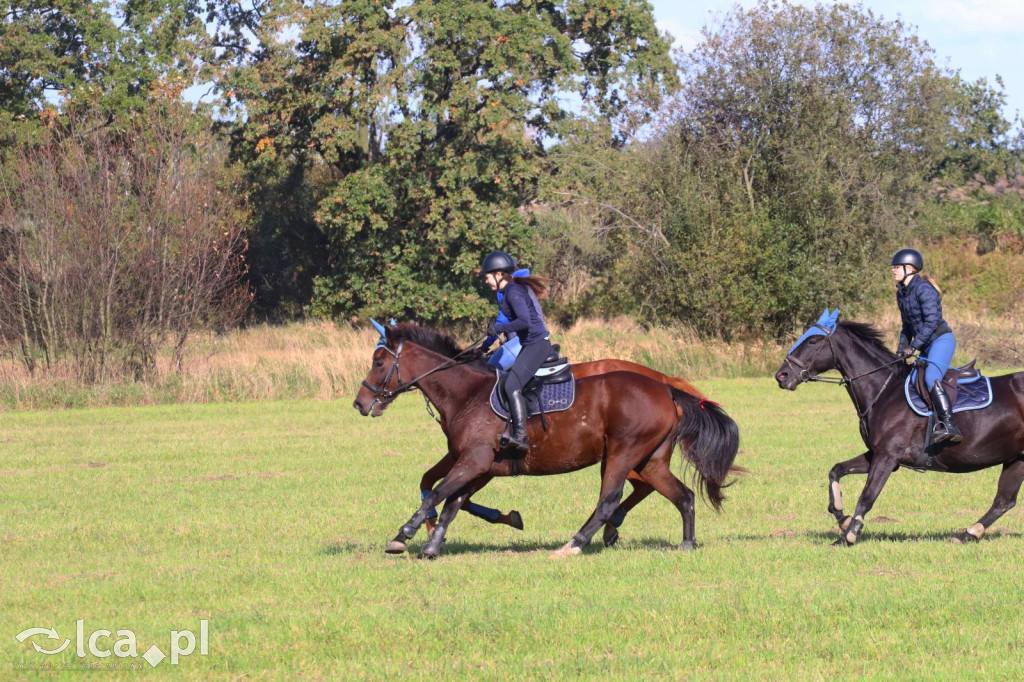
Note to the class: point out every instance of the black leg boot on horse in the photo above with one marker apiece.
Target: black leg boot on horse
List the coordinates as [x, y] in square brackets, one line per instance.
[945, 429]
[517, 409]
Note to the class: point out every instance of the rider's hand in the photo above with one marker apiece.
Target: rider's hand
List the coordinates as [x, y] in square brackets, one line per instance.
[491, 331]
[905, 353]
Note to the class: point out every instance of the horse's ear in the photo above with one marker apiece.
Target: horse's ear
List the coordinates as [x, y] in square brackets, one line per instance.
[834, 317]
[380, 330]
[823, 320]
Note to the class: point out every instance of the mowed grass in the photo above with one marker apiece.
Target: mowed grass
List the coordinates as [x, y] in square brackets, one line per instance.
[269, 520]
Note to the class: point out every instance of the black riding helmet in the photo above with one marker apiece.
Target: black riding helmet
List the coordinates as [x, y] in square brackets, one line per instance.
[497, 261]
[909, 257]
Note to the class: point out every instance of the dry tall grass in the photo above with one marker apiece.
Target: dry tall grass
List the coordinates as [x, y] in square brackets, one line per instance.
[328, 361]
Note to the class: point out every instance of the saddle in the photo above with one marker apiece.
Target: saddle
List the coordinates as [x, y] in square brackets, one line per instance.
[967, 388]
[552, 388]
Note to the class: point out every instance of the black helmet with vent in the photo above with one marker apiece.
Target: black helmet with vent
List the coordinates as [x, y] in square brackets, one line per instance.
[497, 261]
[909, 257]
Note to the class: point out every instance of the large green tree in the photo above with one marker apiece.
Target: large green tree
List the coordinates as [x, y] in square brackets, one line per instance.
[97, 53]
[418, 131]
[797, 152]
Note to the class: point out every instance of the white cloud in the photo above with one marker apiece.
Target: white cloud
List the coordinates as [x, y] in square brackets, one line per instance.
[1000, 17]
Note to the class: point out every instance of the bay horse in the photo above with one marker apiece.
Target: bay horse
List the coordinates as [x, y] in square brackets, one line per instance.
[512, 518]
[628, 422]
[894, 435]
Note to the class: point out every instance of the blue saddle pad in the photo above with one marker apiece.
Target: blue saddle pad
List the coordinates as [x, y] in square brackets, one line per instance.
[972, 394]
[553, 398]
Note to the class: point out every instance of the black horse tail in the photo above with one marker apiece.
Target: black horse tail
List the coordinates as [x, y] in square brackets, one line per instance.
[710, 439]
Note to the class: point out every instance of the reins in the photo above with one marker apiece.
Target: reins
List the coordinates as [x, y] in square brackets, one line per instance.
[805, 375]
[382, 395]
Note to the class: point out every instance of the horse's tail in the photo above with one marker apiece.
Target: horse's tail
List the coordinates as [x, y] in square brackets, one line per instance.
[710, 439]
[683, 385]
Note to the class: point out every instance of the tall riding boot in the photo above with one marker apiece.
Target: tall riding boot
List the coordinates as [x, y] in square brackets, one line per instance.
[517, 408]
[945, 429]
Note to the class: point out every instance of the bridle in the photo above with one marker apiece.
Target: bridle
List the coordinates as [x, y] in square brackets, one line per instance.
[383, 396]
[382, 391]
[806, 375]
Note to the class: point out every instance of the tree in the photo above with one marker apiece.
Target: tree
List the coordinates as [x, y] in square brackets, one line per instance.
[419, 131]
[115, 239]
[796, 152]
[112, 56]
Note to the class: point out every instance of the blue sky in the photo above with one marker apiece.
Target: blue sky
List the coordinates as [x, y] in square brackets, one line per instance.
[978, 38]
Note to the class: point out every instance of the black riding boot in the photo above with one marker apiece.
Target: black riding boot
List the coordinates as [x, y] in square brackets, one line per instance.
[517, 408]
[945, 429]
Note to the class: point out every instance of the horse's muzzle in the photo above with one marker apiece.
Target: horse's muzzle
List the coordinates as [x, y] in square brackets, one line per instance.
[787, 377]
[367, 406]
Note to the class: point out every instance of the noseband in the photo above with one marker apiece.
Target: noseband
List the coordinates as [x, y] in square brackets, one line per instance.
[381, 394]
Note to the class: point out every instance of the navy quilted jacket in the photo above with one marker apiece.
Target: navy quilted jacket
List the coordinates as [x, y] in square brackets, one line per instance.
[921, 310]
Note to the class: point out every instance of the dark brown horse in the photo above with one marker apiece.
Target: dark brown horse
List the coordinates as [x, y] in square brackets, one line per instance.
[640, 489]
[893, 433]
[628, 422]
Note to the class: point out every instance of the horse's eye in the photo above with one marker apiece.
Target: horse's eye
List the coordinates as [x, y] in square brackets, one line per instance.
[813, 340]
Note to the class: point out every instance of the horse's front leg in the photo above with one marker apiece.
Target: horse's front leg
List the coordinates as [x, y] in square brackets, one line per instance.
[857, 465]
[878, 473]
[451, 507]
[465, 470]
[488, 514]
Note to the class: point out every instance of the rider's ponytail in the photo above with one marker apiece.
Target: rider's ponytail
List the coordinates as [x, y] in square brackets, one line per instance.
[930, 281]
[538, 285]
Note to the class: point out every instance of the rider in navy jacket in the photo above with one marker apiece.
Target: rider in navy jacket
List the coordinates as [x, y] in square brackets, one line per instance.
[522, 308]
[925, 331]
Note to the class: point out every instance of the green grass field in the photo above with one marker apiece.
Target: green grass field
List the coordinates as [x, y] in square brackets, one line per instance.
[268, 520]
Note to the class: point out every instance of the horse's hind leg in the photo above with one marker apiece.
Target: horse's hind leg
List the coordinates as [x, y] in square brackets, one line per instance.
[1006, 498]
[641, 489]
[612, 480]
[660, 476]
[857, 465]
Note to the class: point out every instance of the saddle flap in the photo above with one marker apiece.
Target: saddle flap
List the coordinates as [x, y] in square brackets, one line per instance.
[974, 394]
[548, 397]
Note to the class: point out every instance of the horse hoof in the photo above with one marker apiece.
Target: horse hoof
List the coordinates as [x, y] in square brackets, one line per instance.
[515, 520]
[611, 535]
[841, 542]
[395, 547]
[428, 555]
[567, 550]
[688, 546]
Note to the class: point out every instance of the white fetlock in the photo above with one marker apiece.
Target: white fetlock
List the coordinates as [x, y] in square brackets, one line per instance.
[567, 550]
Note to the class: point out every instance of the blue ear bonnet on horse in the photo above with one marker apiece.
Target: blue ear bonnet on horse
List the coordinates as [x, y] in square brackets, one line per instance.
[383, 341]
[825, 326]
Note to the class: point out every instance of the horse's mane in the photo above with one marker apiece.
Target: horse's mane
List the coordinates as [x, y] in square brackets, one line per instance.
[433, 340]
[873, 337]
[868, 333]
